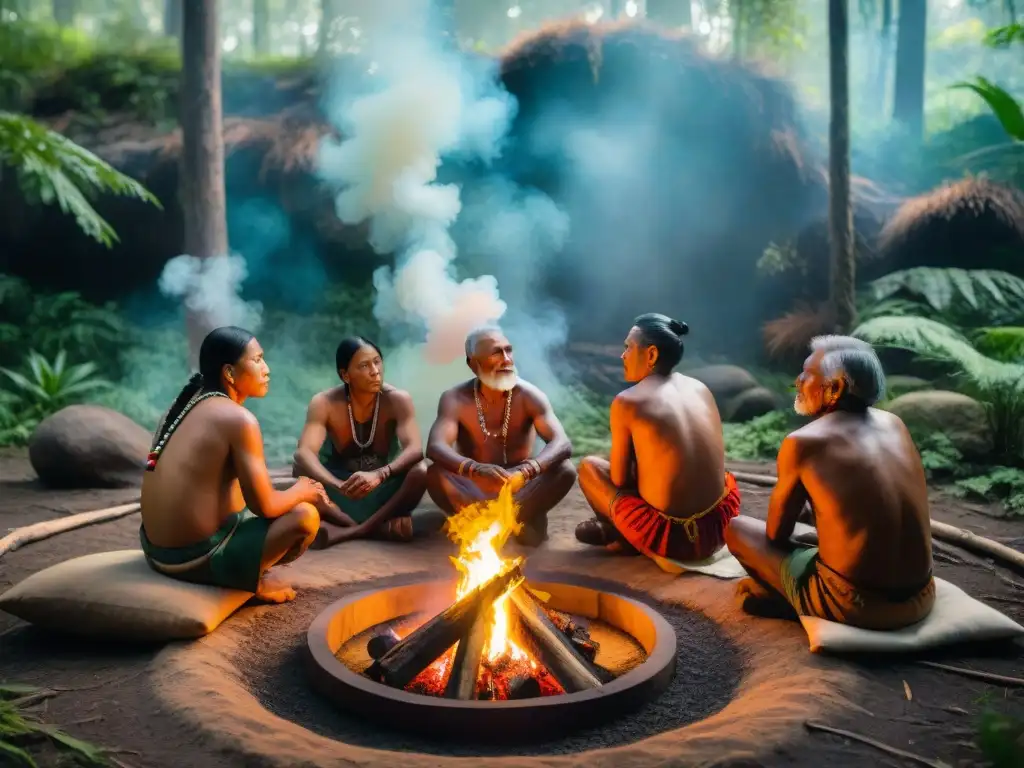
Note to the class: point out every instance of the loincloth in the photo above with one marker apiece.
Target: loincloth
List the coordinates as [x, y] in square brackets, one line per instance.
[231, 558]
[657, 534]
[814, 589]
[360, 510]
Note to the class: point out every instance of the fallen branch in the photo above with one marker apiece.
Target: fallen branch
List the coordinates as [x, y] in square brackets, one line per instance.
[972, 542]
[920, 760]
[998, 599]
[990, 677]
[28, 534]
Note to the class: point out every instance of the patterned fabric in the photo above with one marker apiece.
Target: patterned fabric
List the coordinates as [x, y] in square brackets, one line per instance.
[657, 534]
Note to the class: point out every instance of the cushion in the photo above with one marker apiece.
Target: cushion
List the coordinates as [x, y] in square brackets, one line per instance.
[722, 565]
[956, 618]
[116, 595]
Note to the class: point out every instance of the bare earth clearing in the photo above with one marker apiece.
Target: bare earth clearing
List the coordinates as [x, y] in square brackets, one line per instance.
[202, 703]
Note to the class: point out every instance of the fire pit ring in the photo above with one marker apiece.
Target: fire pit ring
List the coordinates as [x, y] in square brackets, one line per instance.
[533, 719]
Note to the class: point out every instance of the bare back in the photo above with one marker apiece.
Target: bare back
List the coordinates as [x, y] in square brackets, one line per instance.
[867, 486]
[194, 486]
[676, 435]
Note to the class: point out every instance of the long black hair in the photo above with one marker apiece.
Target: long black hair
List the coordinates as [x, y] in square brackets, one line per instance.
[664, 334]
[347, 349]
[222, 346]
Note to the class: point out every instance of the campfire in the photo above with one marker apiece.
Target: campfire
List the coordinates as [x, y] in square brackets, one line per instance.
[498, 640]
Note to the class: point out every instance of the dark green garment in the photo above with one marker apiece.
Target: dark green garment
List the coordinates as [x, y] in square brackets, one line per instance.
[230, 558]
[362, 509]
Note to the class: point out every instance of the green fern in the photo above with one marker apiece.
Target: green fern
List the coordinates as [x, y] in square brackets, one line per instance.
[982, 291]
[998, 385]
[52, 168]
[1004, 343]
[51, 385]
[1003, 37]
[1004, 106]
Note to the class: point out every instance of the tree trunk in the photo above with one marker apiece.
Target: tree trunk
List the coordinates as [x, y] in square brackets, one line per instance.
[173, 12]
[64, 12]
[670, 13]
[202, 157]
[840, 213]
[911, 32]
[261, 27]
[884, 53]
[327, 12]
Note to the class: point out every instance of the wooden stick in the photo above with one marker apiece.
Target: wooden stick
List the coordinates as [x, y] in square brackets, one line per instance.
[991, 677]
[556, 652]
[813, 726]
[44, 530]
[972, 542]
[418, 650]
[466, 666]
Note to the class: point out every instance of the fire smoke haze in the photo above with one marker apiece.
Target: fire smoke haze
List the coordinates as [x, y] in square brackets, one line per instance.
[428, 104]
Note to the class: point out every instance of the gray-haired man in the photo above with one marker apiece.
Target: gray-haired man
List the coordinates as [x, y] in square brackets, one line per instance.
[859, 470]
[484, 436]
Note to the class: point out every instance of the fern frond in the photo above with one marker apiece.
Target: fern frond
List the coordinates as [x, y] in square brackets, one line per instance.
[982, 290]
[1004, 343]
[1004, 106]
[56, 169]
[933, 340]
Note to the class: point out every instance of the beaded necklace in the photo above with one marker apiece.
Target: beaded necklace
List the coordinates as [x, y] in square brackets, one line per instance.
[373, 425]
[154, 454]
[504, 422]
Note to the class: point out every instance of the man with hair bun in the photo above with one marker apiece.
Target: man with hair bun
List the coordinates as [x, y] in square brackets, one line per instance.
[860, 473]
[664, 492]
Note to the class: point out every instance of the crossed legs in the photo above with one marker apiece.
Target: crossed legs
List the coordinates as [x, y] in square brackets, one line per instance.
[762, 594]
[288, 537]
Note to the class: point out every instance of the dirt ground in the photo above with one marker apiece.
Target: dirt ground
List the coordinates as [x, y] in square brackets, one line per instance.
[236, 697]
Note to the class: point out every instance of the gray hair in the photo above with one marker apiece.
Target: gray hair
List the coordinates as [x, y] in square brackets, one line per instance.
[855, 361]
[474, 337]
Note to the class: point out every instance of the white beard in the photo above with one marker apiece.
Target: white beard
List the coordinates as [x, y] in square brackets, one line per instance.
[500, 382]
[800, 406]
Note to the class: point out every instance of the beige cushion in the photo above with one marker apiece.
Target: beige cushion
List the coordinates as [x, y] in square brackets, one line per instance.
[956, 618]
[117, 595]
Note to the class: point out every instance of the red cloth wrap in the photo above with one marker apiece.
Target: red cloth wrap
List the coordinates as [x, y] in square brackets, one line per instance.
[656, 534]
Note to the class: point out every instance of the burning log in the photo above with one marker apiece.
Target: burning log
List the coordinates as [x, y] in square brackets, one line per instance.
[416, 652]
[582, 642]
[556, 652]
[466, 667]
[524, 687]
[382, 643]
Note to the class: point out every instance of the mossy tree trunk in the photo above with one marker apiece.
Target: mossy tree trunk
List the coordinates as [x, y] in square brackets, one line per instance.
[840, 212]
[64, 12]
[173, 11]
[261, 27]
[203, 198]
[670, 13]
[911, 35]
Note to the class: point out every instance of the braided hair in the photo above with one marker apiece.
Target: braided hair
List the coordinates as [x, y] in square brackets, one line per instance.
[222, 346]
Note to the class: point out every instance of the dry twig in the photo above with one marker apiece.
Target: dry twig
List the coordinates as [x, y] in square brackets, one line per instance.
[990, 677]
[920, 760]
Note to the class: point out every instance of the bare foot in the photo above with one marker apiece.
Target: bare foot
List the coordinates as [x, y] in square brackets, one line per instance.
[274, 591]
[758, 601]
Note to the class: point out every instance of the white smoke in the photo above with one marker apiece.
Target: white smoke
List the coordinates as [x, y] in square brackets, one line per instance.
[212, 288]
[429, 104]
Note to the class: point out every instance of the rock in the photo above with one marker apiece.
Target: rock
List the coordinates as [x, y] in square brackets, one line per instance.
[900, 385]
[89, 446]
[750, 404]
[961, 418]
[724, 381]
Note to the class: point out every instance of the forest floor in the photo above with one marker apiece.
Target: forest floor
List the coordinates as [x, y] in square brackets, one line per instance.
[212, 702]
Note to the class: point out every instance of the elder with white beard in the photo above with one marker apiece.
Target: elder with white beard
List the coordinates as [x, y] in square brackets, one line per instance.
[484, 436]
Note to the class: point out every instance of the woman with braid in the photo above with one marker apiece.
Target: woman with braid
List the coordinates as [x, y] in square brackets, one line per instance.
[210, 514]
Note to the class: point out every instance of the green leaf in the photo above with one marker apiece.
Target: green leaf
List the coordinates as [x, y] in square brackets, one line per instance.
[19, 755]
[1003, 37]
[985, 291]
[84, 750]
[1003, 105]
[14, 690]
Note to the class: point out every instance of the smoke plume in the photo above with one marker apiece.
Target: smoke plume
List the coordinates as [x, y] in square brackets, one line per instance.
[212, 288]
[429, 104]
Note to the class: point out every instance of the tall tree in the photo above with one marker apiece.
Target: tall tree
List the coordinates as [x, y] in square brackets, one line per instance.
[884, 52]
[840, 211]
[911, 34]
[203, 197]
[670, 13]
[173, 11]
[261, 27]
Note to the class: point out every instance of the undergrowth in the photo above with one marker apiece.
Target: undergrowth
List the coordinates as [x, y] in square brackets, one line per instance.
[21, 728]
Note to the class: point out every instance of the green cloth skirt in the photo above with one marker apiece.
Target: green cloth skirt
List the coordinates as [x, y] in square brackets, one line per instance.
[231, 558]
[360, 510]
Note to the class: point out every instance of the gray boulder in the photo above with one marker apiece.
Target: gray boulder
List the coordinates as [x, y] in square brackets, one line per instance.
[960, 417]
[751, 403]
[89, 446]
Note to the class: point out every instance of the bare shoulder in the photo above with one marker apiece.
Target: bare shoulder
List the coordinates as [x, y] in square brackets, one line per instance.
[457, 396]
[690, 384]
[533, 395]
[397, 398]
[808, 436]
[231, 415]
[626, 403]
